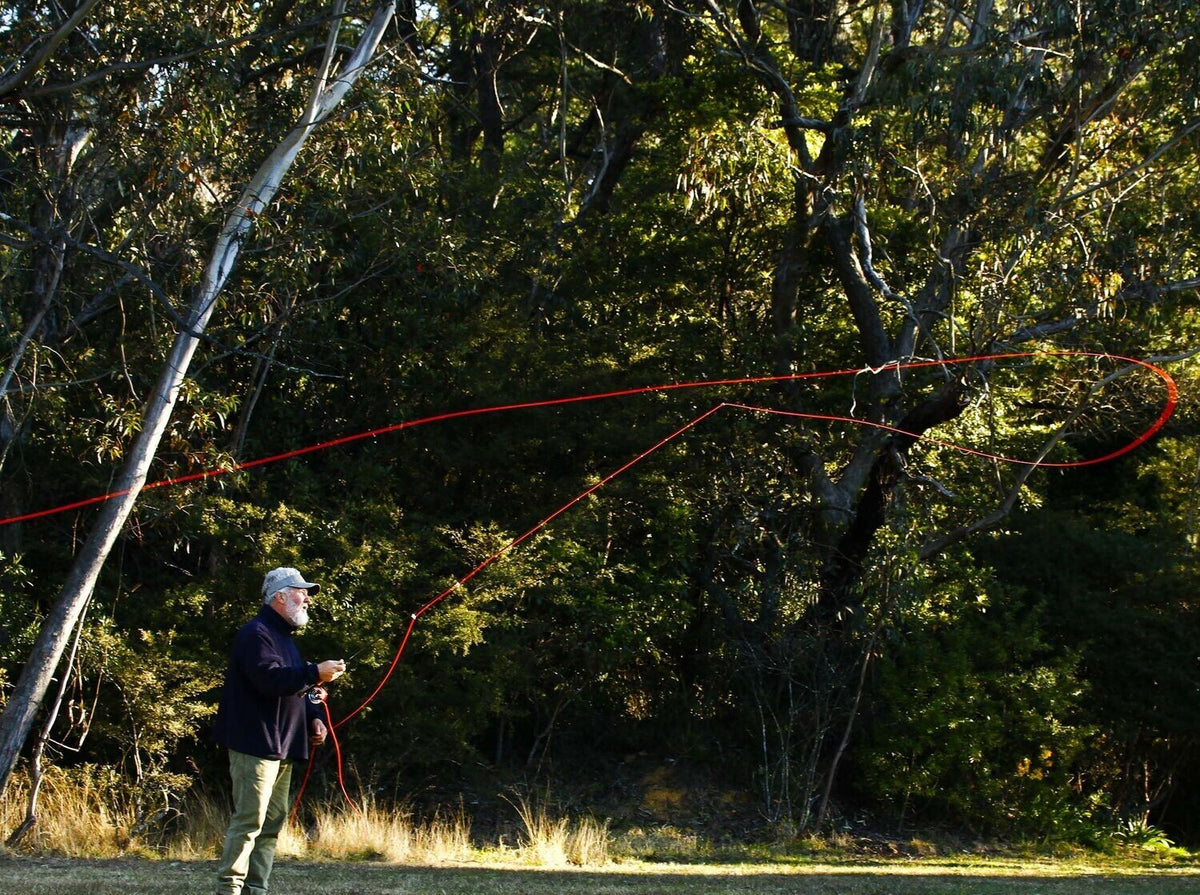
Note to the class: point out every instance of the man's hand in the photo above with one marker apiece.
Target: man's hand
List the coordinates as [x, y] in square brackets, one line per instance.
[319, 732]
[331, 669]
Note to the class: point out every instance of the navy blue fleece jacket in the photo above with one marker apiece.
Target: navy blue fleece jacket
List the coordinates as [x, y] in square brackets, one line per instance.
[262, 711]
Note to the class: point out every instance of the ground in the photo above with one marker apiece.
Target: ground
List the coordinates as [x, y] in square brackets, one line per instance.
[130, 876]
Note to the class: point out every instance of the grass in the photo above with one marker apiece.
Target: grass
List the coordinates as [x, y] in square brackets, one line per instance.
[89, 841]
[82, 815]
[553, 841]
[78, 814]
[63, 876]
[374, 833]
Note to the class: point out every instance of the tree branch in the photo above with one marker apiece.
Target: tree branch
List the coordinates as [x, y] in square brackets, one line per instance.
[991, 520]
[162, 61]
[42, 56]
[1182, 134]
[872, 332]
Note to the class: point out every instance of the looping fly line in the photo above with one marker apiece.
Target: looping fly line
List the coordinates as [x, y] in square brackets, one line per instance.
[205, 474]
[1159, 422]
[1167, 410]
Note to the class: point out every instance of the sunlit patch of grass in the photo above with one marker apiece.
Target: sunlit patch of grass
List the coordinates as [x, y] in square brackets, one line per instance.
[662, 843]
[588, 843]
[548, 840]
[545, 837]
[376, 833]
[78, 813]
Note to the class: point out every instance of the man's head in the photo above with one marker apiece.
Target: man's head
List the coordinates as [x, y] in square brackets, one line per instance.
[286, 591]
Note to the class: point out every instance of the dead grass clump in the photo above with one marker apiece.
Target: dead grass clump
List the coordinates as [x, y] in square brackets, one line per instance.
[79, 812]
[201, 830]
[374, 832]
[551, 841]
[588, 843]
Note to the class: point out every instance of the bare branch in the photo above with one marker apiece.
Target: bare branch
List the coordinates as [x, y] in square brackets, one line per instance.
[876, 345]
[1042, 330]
[34, 323]
[867, 73]
[812, 124]
[1034, 332]
[1181, 286]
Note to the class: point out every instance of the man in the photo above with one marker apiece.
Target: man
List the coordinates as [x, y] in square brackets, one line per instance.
[267, 724]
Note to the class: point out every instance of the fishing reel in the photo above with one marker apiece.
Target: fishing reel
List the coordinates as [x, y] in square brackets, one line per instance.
[316, 694]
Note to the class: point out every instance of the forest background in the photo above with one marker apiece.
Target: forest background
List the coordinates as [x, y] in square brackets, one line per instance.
[517, 202]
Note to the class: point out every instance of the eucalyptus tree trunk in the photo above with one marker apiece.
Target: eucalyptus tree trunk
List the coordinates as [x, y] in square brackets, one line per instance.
[328, 90]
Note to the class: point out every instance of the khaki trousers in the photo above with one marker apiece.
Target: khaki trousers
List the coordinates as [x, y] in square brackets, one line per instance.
[260, 809]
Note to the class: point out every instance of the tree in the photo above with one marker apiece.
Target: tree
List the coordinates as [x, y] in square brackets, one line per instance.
[328, 90]
[941, 159]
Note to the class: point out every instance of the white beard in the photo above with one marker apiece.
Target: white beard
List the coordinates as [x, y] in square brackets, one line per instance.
[299, 618]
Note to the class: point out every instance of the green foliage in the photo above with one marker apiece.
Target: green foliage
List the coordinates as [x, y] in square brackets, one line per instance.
[18, 620]
[147, 703]
[974, 716]
[1140, 834]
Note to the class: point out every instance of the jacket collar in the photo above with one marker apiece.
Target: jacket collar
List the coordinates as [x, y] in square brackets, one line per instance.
[275, 620]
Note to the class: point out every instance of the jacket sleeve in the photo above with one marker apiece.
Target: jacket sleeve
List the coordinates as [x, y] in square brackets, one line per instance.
[269, 671]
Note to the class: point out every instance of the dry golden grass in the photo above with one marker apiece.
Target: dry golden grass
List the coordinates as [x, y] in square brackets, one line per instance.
[380, 851]
[551, 841]
[374, 832]
[77, 814]
[85, 815]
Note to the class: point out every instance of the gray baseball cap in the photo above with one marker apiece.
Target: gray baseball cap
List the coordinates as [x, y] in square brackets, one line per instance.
[285, 576]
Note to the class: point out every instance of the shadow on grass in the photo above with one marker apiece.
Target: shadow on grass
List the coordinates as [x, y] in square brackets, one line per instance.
[129, 876]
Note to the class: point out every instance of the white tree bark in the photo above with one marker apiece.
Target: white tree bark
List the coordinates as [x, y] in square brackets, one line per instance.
[56, 630]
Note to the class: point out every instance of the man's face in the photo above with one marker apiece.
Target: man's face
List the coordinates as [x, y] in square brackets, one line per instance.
[292, 604]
